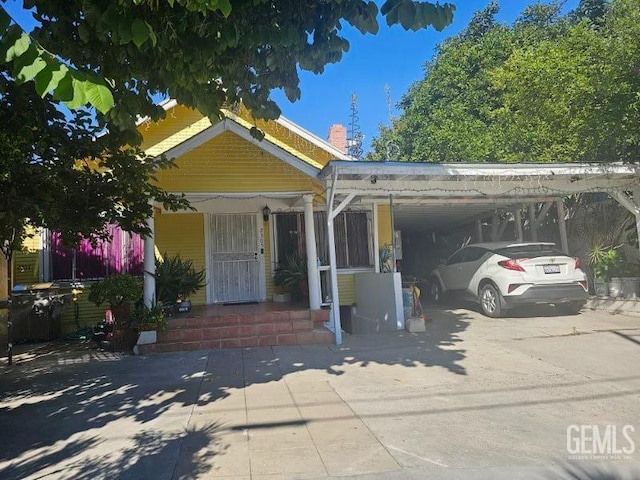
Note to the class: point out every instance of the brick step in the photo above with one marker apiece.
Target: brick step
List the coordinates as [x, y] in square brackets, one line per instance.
[317, 317]
[309, 337]
[192, 333]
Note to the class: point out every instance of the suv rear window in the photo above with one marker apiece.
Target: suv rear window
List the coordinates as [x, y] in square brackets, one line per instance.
[529, 251]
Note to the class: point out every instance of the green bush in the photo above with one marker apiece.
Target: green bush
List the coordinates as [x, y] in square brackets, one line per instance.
[606, 262]
[177, 279]
[115, 290]
[291, 275]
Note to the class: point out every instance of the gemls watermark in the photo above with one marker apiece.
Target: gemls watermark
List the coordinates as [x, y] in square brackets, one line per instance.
[600, 442]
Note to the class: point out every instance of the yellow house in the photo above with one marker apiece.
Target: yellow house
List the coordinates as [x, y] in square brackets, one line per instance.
[255, 202]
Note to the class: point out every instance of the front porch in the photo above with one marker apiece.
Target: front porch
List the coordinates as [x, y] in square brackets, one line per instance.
[238, 326]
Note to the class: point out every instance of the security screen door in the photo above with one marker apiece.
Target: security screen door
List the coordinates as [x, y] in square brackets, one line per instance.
[235, 264]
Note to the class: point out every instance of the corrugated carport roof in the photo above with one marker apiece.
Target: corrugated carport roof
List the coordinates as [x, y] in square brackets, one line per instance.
[435, 195]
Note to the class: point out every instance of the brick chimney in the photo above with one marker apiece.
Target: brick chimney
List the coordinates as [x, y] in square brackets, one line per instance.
[338, 137]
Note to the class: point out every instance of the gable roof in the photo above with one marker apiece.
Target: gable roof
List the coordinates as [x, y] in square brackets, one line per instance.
[202, 130]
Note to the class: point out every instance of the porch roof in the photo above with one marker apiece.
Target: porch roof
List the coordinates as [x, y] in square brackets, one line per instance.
[434, 195]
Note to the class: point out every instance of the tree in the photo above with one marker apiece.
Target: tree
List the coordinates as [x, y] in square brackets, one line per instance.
[449, 116]
[65, 174]
[549, 88]
[203, 53]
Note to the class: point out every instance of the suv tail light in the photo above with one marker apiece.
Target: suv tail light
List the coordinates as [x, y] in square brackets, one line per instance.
[584, 285]
[578, 263]
[511, 264]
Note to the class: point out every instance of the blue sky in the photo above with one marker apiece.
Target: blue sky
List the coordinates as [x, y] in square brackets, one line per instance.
[393, 57]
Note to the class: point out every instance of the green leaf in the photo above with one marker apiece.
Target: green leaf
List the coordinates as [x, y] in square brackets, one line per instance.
[18, 48]
[5, 21]
[29, 72]
[140, 32]
[79, 95]
[83, 32]
[49, 78]
[99, 96]
[64, 90]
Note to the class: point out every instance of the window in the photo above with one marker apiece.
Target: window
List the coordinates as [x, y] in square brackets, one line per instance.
[123, 253]
[352, 236]
[467, 254]
[530, 251]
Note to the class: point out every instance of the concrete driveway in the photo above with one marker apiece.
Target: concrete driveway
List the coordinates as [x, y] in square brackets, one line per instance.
[471, 398]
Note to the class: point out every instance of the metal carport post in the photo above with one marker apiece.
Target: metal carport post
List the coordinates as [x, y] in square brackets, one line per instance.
[332, 213]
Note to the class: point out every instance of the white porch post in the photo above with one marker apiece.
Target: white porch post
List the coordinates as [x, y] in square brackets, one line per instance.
[312, 254]
[478, 230]
[631, 203]
[564, 241]
[495, 227]
[149, 286]
[518, 219]
[533, 226]
[333, 269]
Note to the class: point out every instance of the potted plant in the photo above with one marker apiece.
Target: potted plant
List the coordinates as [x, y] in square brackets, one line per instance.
[605, 262]
[117, 291]
[291, 275]
[176, 280]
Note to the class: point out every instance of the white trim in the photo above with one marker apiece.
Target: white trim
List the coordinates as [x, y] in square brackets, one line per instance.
[376, 239]
[196, 140]
[260, 248]
[273, 149]
[480, 169]
[207, 259]
[240, 195]
[167, 105]
[310, 137]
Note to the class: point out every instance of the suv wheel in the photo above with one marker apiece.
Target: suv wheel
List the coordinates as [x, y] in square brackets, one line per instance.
[491, 301]
[435, 290]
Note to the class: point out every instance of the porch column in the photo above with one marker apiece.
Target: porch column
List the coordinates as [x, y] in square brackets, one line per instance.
[562, 225]
[495, 227]
[533, 226]
[478, 230]
[631, 203]
[518, 219]
[149, 286]
[313, 275]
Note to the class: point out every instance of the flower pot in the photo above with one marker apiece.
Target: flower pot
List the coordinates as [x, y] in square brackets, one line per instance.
[601, 287]
[282, 297]
[615, 287]
[631, 287]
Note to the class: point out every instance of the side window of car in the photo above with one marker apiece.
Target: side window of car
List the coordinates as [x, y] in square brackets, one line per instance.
[474, 254]
[458, 257]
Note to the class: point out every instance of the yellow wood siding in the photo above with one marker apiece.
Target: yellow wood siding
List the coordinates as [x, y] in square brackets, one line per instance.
[347, 288]
[177, 119]
[287, 136]
[384, 225]
[89, 314]
[228, 163]
[180, 117]
[25, 267]
[183, 234]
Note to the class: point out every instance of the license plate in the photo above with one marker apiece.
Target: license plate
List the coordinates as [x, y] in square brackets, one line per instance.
[551, 268]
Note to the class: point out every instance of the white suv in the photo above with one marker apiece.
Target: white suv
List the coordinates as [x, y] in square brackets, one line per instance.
[502, 275]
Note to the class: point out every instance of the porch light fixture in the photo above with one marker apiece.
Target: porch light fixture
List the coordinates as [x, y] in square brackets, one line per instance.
[266, 211]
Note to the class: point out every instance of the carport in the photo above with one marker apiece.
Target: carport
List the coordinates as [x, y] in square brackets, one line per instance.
[438, 195]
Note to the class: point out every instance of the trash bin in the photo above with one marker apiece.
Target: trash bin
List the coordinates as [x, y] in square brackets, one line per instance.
[35, 312]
